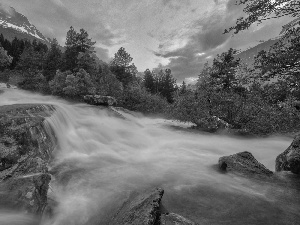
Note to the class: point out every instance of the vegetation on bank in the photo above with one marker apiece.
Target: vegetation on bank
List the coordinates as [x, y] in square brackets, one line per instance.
[263, 98]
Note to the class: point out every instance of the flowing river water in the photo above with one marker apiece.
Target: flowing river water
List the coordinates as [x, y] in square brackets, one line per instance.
[102, 157]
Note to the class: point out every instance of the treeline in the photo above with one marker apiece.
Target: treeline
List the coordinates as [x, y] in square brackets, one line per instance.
[77, 71]
[259, 99]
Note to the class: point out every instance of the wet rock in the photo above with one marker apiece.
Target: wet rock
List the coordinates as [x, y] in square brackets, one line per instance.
[100, 100]
[211, 124]
[26, 144]
[289, 160]
[245, 163]
[140, 209]
[146, 209]
[174, 219]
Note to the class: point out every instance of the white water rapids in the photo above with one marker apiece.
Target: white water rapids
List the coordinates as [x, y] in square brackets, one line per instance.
[102, 157]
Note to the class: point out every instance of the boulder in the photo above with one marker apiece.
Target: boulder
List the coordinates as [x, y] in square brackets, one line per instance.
[211, 124]
[140, 209]
[146, 208]
[245, 163]
[289, 160]
[26, 144]
[100, 100]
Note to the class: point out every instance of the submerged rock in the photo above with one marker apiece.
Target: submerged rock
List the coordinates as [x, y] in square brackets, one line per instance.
[100, 100]
[243, 162]
[289, 160]
[140, 209]
[26, 144]
[211, 124]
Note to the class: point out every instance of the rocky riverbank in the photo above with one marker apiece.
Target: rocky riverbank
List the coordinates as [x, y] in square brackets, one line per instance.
[26, 146]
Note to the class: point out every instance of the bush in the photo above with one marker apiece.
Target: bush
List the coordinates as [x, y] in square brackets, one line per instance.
[188, 108]
[248, 112]
[34, 81]
[136, 98]
[58, 84]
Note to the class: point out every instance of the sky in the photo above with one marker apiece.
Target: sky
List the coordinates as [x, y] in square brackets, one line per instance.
[178, 34]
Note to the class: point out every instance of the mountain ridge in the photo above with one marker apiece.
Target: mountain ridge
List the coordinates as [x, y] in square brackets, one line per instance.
[14, 24]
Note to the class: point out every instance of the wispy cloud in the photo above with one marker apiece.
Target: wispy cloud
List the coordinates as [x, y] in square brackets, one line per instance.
[157, 33]
[209, 39]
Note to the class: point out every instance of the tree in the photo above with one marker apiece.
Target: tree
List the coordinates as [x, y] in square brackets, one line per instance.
[223, 69]
[136, 97]
[17, 48]
[83, 42]
[31, 60]
[34, 81]
[5, 59]
[121, 67]
[76, 43]
[283, 59]
[261, 10]
[87, 61]
[52, 61]
[79, 84]
[58, 83]
[149, 81]
[183, 88]
[121, 59]
[168, 86]
[107, 83]
[71, 53]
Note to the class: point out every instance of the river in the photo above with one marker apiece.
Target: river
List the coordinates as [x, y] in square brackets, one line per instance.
[102, 157]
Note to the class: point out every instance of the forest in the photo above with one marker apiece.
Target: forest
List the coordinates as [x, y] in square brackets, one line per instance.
[259, 99]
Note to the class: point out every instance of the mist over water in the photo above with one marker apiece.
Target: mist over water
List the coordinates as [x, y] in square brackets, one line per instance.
[103, 155]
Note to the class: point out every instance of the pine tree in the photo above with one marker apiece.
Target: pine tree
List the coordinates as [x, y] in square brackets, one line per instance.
[223, 69]
[71, 53]
[121, 67]
[149, 81]
[183, 88]
[17, 49]
[52, 61]
[76, 43]
[168, 86]
[84, 43]
[5, 59]
[71, 39]
[30, 60]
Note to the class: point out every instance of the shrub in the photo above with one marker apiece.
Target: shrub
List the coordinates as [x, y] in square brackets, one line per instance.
[138, 99]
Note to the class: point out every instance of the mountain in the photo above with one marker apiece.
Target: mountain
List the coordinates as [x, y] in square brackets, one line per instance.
[248, 55]
[14, 24]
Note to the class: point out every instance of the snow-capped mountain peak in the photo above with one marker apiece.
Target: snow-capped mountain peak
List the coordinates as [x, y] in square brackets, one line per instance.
[11, 19]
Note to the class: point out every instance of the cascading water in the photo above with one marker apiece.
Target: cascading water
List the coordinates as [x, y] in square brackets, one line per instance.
[102, 157]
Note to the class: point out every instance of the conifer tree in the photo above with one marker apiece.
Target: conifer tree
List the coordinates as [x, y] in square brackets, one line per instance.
[149, 81]
[5, 59]
[121, 67]
[76, 43]
[52, 61]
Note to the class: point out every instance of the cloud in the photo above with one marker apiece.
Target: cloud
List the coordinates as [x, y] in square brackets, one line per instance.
[102, 53]
[6, 9]
[58, 2]
[187, 61]
[209, 39]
